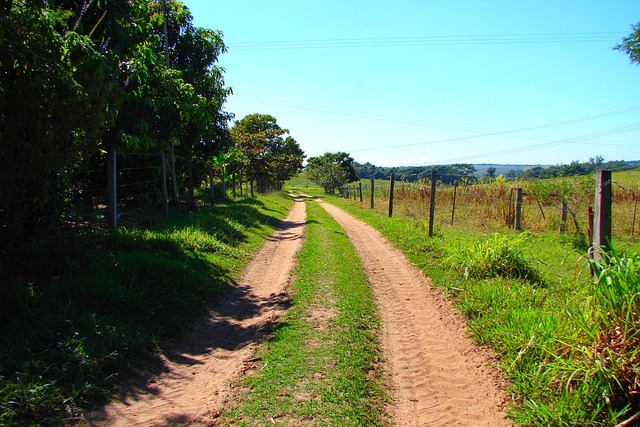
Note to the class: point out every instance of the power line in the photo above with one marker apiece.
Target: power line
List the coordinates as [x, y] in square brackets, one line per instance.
[478, 133]
[554, 143]
[447, 40]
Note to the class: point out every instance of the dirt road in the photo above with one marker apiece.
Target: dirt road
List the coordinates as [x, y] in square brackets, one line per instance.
[437, 376]
[195, 384]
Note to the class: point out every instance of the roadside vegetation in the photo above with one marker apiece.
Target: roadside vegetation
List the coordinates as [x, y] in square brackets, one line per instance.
[105, 302]
[566, 341]
[322, 364]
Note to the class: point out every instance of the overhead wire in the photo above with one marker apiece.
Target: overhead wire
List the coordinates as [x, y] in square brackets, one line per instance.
[449, 40]
[444, 40]
[477, 132]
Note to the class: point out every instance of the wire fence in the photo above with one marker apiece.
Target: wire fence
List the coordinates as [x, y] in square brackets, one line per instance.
[40, 210]
[562, 207]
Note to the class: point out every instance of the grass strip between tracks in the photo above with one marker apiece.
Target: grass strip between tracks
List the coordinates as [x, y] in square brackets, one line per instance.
[322, 364]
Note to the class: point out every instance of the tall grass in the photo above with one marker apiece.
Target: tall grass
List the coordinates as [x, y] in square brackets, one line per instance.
[490, 207]
[498, 255]
[614, 308]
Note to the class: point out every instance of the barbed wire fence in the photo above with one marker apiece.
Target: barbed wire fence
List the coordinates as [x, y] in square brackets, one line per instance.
[523, 205]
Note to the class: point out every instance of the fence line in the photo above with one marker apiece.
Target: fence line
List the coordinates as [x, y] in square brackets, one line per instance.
[483, 207]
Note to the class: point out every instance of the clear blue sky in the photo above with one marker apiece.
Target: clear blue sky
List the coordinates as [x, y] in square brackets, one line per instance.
[409, 82]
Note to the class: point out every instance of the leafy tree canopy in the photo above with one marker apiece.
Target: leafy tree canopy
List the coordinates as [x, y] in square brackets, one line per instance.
[272, 155]
[78, 78]
[344, 160]
[332, 170]
[631, 44]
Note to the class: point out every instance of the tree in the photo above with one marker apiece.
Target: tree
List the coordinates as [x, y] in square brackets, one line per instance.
[631, 44]
[344, 160]
[331, 170]
[54, 86]
[79, 78]
[272, 155]
[329, 176]
[491, 172]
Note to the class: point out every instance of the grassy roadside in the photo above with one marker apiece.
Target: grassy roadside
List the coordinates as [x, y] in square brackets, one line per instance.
[562, 352]
[321, 367]
[112, 300]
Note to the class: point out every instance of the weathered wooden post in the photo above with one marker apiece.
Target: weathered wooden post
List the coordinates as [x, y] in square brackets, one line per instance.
[517, 225]
[509, 217]
[360, 190]
[432, 202]
[112, 211]
[635, 209]
[373, 189]
[391, 182]
[602, 214]
[455, 192]
[563, 216]
[212, 193]
[191, 183]
[163, 183]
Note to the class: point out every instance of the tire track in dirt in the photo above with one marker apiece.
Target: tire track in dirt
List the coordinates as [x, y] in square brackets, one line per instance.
[194, 385]
[437, 375]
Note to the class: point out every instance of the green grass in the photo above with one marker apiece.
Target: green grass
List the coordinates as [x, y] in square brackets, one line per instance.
[563, 362]
[321, 366]
[69, 332]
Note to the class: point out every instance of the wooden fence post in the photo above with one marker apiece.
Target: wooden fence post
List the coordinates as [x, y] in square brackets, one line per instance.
[191, 183]
[373, 189]
[391, 182]
[112, 210]
[602, 214]
[212, 193]
[563, 216]
[360, 190]
[432, 202]
[635, 209]
[165, 193]
[517, 225]
[455, 192]
[509, 218]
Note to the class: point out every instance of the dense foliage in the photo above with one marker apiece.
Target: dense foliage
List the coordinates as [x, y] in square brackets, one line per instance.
[332, 170]
[631, 44]
[268, 154]
[79, 78]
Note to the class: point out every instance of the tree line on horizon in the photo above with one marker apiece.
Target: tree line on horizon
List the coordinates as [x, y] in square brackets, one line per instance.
[467, 173]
